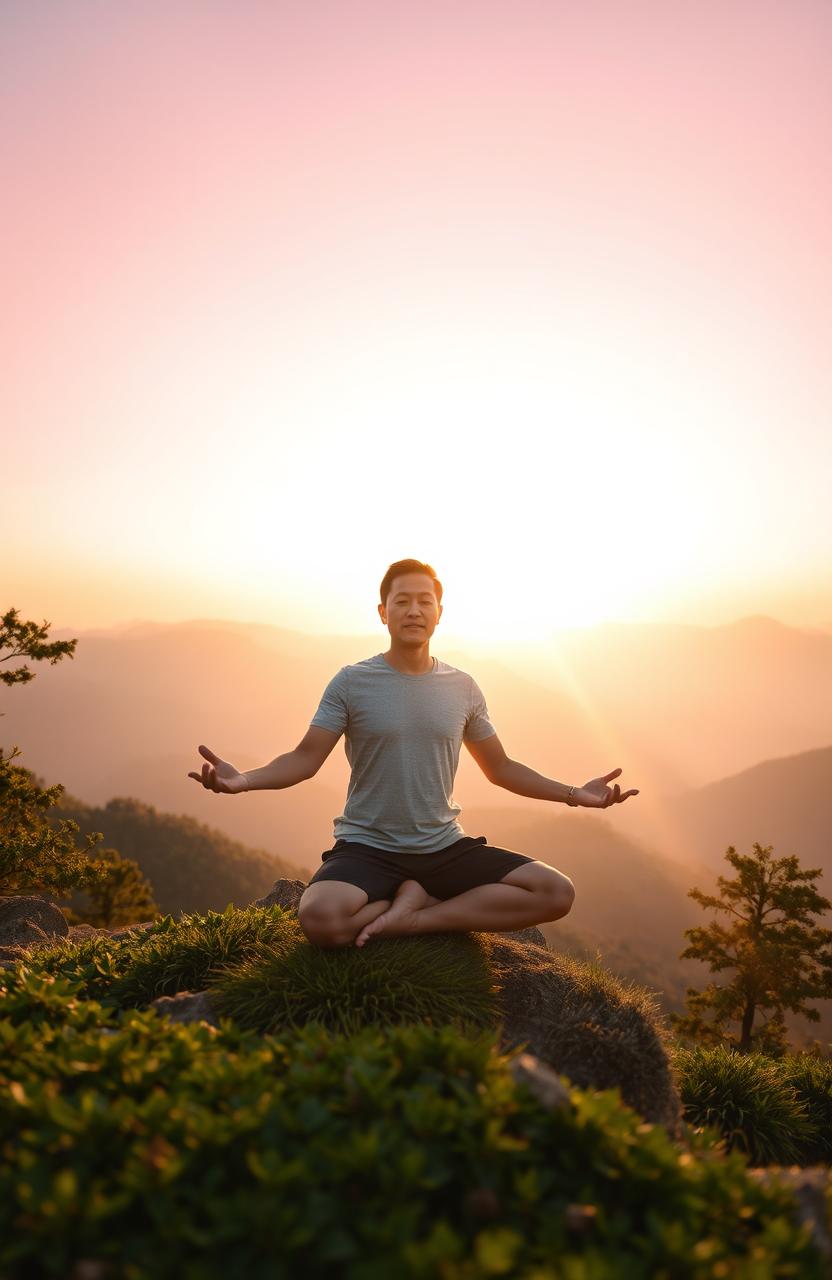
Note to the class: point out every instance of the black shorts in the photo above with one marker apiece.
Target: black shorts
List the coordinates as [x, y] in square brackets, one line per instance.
[467, 863]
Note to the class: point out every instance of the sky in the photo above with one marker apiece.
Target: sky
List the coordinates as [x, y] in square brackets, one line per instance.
[537, 292]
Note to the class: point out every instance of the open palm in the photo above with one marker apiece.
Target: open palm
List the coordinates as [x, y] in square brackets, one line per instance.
[596, 794]
[219, 775]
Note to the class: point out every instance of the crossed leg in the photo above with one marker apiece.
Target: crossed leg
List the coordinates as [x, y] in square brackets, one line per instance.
[333, 913]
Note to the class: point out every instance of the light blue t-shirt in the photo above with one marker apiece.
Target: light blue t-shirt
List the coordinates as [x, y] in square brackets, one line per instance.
[403, 735]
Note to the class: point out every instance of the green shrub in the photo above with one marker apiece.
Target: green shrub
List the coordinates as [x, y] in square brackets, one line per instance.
[811, 1079]
[175, 955]
[748, 1099]
[190, 1151]
[261, 971]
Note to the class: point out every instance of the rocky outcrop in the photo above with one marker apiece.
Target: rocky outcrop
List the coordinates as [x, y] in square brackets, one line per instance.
[126, 930]
[283, 893]
[583, 1024]
[28, 921]
[187, 1006]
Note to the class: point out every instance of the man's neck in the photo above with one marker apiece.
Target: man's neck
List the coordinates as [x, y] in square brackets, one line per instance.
[411, 662]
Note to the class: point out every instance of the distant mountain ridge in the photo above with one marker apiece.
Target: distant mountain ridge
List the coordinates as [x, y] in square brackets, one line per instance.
[780, 802]
[192, 867]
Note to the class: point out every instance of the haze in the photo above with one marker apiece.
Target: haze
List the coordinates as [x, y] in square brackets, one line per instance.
[537, 293]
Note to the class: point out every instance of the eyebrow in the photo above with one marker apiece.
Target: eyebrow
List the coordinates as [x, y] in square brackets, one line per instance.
[402, 595]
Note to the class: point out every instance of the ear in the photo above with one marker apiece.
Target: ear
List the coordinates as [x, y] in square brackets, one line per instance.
[381, 611]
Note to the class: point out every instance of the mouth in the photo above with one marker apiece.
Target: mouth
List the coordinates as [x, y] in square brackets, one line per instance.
[414, 626]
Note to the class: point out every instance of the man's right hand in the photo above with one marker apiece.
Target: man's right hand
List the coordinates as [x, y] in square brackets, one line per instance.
[220, 776]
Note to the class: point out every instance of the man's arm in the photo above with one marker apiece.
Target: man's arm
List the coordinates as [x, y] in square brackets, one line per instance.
[294, 766]
[504, 772]
[523, 781]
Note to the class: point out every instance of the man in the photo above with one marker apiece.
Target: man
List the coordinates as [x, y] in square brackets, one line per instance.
[401, 863]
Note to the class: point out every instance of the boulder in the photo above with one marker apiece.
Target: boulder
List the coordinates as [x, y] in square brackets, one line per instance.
[577, 1019]
[29, 921]
[812, 1188]
[125, 930]
[584, 1023]
[287, 894]
[26, 920]
[283, 893]
[78, 931]
[581, 1021]
[187, 1006]
[541, 1080]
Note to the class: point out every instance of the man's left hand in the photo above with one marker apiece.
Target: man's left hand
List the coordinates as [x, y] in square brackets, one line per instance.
[597, 795]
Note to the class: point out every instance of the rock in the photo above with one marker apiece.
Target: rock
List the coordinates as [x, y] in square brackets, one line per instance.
[24, 934]
[586, 1025]
[810, 1185]
[27, 920]
[9, 956]
[283, 893]
[530, 934]
[126, 929]
[77, 931]
[187, 1006]
[543, 1082]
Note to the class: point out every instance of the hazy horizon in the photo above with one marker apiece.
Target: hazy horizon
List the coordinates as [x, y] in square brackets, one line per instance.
[440, 635]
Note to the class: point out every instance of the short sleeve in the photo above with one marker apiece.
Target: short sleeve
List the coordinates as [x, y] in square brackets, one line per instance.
[478, 725]
[333, 709]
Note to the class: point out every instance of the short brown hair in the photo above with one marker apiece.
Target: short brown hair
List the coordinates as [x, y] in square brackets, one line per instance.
[408, 566]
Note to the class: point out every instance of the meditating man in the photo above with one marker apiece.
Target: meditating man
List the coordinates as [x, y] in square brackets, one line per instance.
[401, 862]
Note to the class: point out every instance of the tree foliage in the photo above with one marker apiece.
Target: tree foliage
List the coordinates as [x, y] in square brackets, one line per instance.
[777, 956]
[35, 856]
[123, 896]
[28, 640]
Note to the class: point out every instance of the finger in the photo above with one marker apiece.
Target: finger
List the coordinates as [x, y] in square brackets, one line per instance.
[608, 777]
[196, 776]
[209, 755]
[629, 793]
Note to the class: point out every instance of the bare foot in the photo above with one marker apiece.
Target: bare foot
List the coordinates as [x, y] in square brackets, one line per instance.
[410, 897]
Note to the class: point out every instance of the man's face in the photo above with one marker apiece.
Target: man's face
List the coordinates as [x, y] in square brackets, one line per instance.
[411, 611]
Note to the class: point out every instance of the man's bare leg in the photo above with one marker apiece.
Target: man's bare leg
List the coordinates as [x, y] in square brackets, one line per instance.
[409, 897]
[487, 907]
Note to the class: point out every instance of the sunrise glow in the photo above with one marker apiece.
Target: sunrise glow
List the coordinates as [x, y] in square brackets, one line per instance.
[294, 297]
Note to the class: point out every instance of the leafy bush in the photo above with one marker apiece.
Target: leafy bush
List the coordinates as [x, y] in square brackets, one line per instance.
[185, 1151]
[750, 1099]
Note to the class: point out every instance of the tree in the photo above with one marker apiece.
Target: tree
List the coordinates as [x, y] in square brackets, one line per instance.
[779, 956]
[27, 640]
[34, 857]
[124, 896]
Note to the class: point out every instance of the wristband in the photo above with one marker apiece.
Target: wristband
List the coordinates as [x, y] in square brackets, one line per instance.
[573, 804]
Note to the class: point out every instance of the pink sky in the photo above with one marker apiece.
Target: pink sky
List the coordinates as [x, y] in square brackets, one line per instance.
[541, 282]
